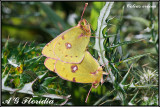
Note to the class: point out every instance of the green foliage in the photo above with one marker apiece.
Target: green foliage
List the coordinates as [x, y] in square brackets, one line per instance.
[97, 6]
[23, 67]
[126, 45]
[123, 81]
[55, 19]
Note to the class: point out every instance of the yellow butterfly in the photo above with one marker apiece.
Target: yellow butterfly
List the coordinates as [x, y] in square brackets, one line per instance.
[70, 45]
[67, 56]
[88, 71]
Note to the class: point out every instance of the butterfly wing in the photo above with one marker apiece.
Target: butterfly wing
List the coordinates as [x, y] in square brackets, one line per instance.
[70, 45]
[50, 63]
[84, 72]
[70, 48]
[48, 49]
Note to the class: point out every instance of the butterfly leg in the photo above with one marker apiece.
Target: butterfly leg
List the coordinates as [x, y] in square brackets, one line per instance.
[104, 73]
[93, 86]
[88, 93]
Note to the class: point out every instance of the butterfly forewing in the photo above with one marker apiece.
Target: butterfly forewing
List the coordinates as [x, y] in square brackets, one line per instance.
[71, 46]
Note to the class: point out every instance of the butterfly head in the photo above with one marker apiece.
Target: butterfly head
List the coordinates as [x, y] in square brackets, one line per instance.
[84, 25]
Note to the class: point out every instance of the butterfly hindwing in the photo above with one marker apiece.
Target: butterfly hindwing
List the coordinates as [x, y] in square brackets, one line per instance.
[50, 63]
[84, 72]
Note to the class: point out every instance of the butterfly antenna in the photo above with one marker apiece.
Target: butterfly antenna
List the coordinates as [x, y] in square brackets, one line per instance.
[88, 93]
[105, 64]
[92, 27]
[101, 67]
[86, 4]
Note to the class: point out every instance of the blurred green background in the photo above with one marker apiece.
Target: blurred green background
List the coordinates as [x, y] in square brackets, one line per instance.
[42, 21]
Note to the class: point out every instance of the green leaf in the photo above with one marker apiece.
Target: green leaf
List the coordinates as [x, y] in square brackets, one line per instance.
[57, 21]
[132, 58]
[97, 6]
[108, 36]
[117, 37]
[125, 77]
[48, 81]
[131, 102]
[52, 32]
[124, 43]
[139, 19]
[104, 13]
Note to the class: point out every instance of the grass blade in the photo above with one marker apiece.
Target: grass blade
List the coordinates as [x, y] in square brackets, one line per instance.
[53, 17]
